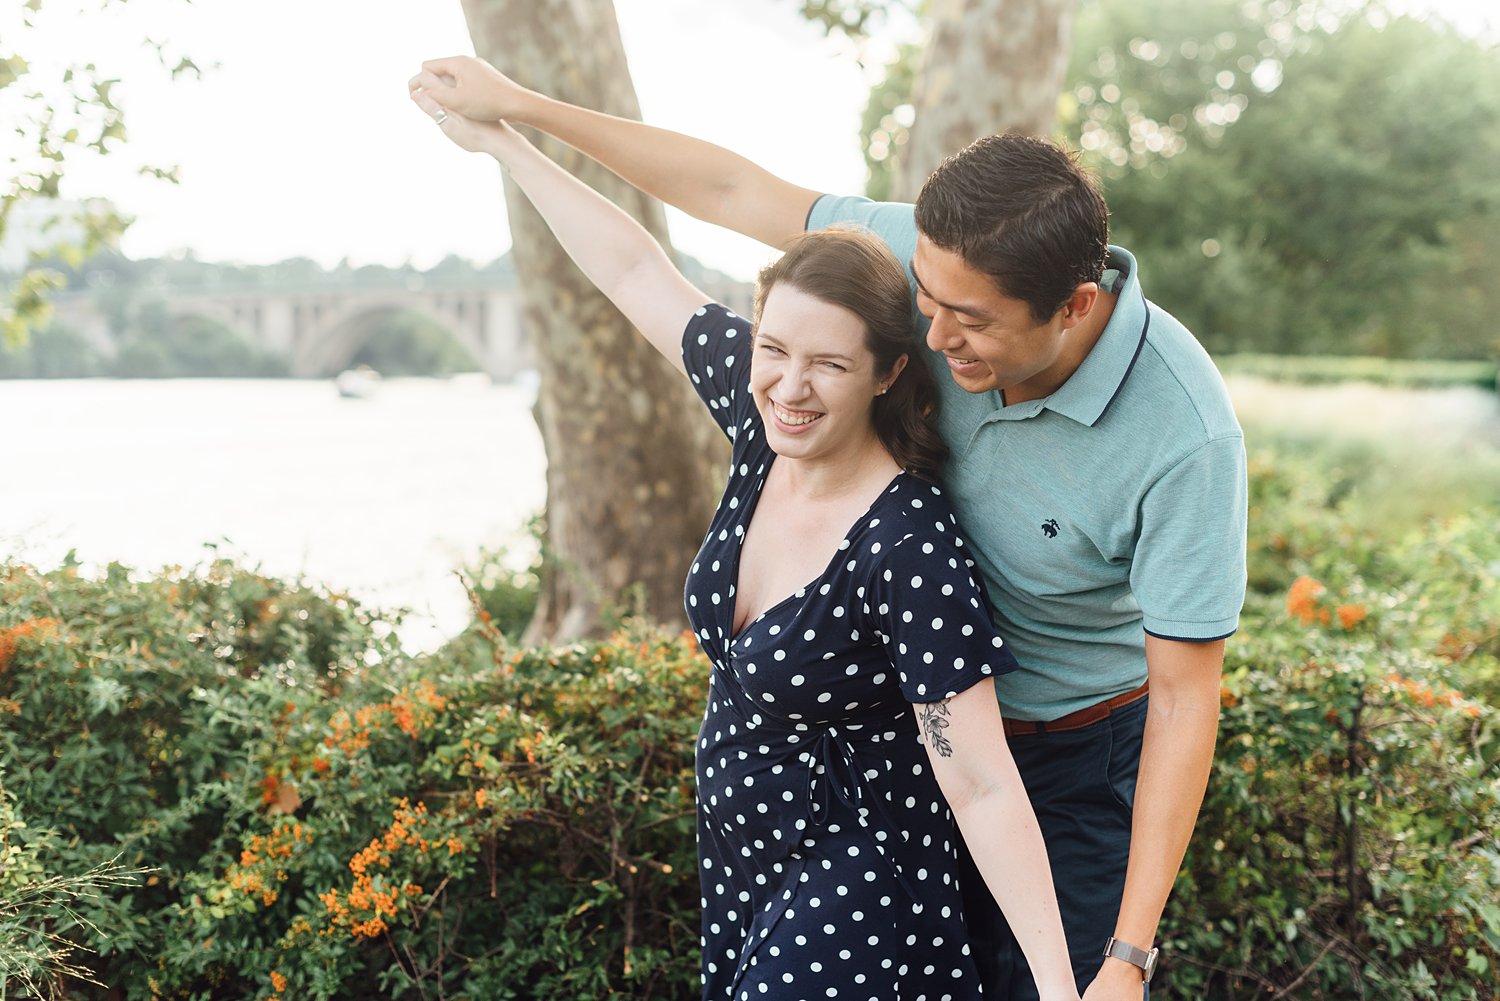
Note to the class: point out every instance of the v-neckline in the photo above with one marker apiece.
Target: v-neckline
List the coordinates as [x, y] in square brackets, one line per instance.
[734, 569]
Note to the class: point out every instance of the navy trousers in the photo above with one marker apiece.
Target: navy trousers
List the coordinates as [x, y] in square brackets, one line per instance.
[1082, 786]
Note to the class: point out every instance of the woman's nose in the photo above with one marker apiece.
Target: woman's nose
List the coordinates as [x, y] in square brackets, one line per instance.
[796, 380]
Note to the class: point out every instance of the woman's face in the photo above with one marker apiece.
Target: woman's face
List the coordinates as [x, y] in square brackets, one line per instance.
[813, 378]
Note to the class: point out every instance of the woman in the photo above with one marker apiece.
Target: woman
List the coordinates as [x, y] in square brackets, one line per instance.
[846, 627]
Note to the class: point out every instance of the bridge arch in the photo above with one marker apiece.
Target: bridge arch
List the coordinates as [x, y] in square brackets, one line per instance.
[330, 348]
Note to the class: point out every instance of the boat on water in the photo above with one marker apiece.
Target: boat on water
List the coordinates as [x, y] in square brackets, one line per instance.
[357, 383]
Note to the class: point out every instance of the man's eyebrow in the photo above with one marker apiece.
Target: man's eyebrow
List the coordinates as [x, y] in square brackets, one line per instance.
[918, 279]
[966, 310]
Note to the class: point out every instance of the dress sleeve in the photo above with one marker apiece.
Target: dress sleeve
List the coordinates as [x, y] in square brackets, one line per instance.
[926, 602]
[716, 354]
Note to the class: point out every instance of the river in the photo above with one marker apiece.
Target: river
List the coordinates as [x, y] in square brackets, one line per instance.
[383, 497]
[380, 497]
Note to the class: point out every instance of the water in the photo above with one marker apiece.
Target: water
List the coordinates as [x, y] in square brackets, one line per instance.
[384, 497]
[380, 497]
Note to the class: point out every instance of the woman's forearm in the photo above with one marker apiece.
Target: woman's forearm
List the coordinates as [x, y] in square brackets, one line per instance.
[1001, 830]
[606, 243]
[611, 248]
[966, 745]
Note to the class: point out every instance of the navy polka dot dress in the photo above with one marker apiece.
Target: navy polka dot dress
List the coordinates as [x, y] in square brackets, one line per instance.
[826, 851]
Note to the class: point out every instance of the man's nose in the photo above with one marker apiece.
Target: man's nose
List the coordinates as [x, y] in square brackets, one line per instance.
[942, 331]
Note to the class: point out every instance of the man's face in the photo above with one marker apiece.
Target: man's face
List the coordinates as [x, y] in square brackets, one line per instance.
[990, 340]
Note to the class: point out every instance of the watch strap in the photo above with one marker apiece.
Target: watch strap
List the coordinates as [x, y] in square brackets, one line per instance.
[1134, 955]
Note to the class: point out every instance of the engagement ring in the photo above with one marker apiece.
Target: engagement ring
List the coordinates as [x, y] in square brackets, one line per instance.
[440, 117]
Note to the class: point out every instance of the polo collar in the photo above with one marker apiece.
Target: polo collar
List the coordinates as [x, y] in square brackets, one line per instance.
[1093, 387]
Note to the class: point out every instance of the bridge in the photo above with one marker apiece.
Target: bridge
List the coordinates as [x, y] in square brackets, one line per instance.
[320, 329]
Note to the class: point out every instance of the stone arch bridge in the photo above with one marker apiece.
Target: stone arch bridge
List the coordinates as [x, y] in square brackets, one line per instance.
[321, 329]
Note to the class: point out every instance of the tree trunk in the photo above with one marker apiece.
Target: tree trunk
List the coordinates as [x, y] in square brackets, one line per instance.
[631, 459]
[989, 66]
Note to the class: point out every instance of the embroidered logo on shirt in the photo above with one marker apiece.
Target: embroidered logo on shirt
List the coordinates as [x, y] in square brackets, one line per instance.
[1050, 528]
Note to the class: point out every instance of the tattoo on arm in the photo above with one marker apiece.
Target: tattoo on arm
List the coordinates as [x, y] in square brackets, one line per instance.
[934, 718]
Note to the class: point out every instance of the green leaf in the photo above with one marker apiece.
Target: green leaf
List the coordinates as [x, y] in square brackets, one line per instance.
[12, 69]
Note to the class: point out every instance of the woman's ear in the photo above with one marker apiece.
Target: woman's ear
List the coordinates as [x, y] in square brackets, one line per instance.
[895, 372]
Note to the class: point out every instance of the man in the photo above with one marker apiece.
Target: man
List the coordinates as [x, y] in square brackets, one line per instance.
[1097, 468]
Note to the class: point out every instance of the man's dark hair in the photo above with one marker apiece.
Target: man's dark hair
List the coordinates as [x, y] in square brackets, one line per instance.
[1023, 211]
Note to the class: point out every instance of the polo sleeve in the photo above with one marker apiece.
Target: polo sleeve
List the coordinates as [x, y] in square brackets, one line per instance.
[893, 222]
[1188, 574]
[716, 354]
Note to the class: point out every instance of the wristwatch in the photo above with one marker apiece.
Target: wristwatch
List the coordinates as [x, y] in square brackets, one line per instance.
[1133, 955]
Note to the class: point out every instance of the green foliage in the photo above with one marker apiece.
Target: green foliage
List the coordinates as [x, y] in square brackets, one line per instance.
[55, 123]
[1295, 177]
[1323, 369]
[52, 351]
[160, 347]
[855, 19]
[1345, 842]
[1296, 180]
[148, 341]
[38, 910]
[1326, 853]
[409, 344]
[505, 597]
[887, 121]
[328, 818]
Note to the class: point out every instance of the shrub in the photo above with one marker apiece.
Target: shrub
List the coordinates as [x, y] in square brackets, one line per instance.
[1346, 845]
[323, 816]
[327, 818]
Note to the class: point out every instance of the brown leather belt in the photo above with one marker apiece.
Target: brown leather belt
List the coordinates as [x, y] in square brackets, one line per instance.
[1075, 721]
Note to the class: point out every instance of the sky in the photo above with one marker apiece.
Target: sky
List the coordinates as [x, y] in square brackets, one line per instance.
[299, 139]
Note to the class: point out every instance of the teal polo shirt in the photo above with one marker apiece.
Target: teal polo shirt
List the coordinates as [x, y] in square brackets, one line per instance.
[1111, 509]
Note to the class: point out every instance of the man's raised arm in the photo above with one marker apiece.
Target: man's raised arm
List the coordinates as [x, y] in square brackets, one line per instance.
[703, 180]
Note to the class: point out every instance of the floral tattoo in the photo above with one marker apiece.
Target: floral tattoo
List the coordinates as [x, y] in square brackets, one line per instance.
[935, 717]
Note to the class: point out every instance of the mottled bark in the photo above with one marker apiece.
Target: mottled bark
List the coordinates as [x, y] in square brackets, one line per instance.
[631, 456]
[989, 66]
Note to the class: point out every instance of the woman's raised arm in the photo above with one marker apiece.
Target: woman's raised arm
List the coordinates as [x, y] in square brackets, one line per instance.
[616, 253]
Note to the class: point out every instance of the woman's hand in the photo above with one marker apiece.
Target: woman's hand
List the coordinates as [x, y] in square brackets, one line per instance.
[465, 132]
[473, 88]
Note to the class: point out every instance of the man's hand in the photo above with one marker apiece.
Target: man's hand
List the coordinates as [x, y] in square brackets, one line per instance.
[473, 88]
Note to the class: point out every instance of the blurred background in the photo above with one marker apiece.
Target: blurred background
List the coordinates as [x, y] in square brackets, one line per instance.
[257, 303]
[278, 365]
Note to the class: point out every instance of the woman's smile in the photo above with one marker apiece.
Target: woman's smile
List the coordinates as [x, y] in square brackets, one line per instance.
[793, 421]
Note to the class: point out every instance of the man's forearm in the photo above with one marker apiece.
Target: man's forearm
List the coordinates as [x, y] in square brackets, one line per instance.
[1176, 756]
[1177, 750]
[703, 180]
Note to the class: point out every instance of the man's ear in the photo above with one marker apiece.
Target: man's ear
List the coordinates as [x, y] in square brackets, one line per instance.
[1080, 304]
